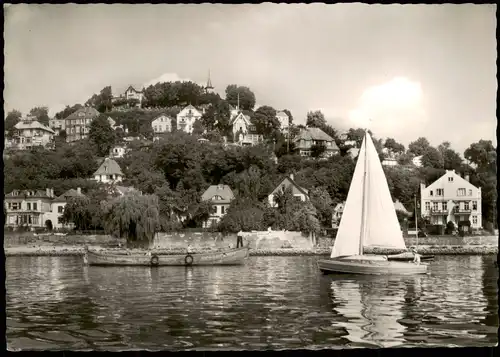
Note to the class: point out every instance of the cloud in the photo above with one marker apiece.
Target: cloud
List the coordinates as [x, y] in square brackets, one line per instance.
[391, 109]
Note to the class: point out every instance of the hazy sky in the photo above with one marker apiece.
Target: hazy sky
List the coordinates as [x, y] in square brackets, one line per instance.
[415, 70]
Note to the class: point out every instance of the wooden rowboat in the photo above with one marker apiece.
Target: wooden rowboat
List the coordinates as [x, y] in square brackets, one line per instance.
[225, 257]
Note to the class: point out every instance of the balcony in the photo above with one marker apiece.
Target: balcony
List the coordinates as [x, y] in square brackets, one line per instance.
[438, 212]
[458, 210]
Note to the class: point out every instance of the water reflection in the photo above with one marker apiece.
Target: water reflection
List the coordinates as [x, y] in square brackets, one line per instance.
[270, 303]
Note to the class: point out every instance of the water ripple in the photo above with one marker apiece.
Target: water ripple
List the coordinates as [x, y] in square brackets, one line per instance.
[271, 303]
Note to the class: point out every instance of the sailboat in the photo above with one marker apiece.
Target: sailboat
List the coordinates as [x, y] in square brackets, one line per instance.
[368, 220]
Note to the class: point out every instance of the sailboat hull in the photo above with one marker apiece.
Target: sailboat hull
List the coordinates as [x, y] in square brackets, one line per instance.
[367, 265]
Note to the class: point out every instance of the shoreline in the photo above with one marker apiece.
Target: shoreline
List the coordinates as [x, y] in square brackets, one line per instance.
[57, 251]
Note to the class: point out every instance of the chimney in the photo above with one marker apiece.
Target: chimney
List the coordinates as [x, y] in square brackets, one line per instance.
[467, 178]
[78, 191]
[291, 177]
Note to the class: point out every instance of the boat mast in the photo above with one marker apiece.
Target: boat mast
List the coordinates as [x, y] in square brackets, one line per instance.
[416, 220]
[363, 209]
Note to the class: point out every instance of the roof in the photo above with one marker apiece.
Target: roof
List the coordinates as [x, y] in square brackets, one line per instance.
[109, 167]
[399, 207]
[281, 113]
[89, 112]
[24, 193]
[314, 134]
[124, 190]
[161, 115]
[300, 188]
[68, 194]
[28, 124]
[246, 118]
[224, 191]
[135, 90]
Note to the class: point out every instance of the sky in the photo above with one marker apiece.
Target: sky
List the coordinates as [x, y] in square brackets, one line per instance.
[404, 71]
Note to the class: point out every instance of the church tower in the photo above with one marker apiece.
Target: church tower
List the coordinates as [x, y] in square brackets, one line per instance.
[209, 88]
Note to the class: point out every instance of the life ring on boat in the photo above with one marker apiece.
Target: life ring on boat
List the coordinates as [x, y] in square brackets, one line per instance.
[188, 260]
[154, 260]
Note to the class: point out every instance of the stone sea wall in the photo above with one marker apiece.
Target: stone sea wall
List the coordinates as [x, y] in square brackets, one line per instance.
[29, 239]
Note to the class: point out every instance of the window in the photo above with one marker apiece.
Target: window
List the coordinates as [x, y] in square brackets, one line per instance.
[60, 209]
[34, 206]
[474, 205]
[466, 206]
[9, 205]
[470, 192]
[16, 206]
[435, 206]
[461, 192]
[439, 192]
[431, 193]
[474, 219]
[222, 209]
[29, 206]
[450, 179]
[445, 206]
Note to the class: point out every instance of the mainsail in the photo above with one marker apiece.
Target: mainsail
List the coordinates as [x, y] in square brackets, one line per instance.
[376, 224]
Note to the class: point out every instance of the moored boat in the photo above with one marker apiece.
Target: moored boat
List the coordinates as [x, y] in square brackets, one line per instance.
[368, 220]
[150, 258]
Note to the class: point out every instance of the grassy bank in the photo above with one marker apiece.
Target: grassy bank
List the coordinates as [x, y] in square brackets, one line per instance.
[78, 251]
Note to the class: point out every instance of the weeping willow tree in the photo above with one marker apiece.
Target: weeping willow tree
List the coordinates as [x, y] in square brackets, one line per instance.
[134, 217]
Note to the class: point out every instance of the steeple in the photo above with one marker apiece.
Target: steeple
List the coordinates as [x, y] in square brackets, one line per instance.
[209, 86]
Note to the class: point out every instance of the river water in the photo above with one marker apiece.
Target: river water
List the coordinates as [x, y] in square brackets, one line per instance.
[270, 303]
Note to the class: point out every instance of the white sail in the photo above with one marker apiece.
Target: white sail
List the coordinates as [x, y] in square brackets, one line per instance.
[381, 226]
[349, 232]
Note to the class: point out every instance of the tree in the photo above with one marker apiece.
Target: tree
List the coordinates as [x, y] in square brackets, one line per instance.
[265, 122]
[217, 117]
[243, 214]
[358, 136]
[419, 146]
[13, 117]
[102, 135]
[133, 216]
[246, 98]
[483, 155]
[393, 146]
[68, 111]
[451, 159]
[41, 114]
[321, 200]
[432, 158]
[317, 150]
[77, 212]
[102, 101]
[315, 119]
[198, 127]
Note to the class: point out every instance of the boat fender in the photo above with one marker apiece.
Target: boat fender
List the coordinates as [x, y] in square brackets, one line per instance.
[154, 260]
[188, 260]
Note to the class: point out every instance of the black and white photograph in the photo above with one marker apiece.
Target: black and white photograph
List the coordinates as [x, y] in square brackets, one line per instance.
[250, 177]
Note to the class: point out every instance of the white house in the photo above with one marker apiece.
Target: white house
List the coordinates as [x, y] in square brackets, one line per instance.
[244, 132]
[162, 124]
[284, 120]
[451, 198]
[37, 208]
[57, 125]
[108, 172]
[288, 182]
[186, 119]
[29, 133]
[417, 161]
[118, 151]
[221, 197]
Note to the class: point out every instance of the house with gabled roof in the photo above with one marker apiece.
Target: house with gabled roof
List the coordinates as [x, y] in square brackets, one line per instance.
[220, 196]
[451, 198]
[309, 137]
[37, 208]
[108, 172]
[285, 183]
[77, 124]
[162, 124]
[284, 121]
[187, 117]
[244, 131]
[29, 133]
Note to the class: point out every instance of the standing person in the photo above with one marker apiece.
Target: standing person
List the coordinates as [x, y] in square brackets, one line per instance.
[239, 239]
